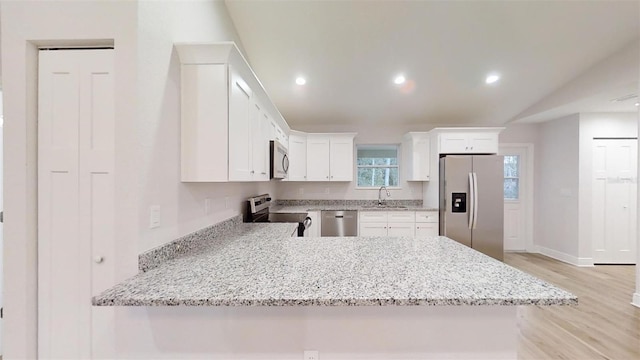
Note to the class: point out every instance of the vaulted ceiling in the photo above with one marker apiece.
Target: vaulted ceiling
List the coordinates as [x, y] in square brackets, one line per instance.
[350, 52]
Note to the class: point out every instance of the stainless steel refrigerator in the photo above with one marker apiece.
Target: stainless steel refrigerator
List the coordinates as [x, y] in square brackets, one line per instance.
[472, 201]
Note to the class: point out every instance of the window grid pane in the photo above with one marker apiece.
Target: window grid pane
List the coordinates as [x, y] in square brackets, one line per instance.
[377, 165]
[511, 177]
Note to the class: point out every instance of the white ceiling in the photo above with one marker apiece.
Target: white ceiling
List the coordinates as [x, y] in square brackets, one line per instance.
[349, 51]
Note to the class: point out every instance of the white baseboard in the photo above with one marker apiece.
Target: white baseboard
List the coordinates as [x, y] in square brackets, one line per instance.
[564, 257]
[636, 300]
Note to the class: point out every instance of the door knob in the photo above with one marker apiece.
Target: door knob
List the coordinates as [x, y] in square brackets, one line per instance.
[98, 259]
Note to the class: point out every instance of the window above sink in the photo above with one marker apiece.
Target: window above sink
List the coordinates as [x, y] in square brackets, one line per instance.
[377, 165]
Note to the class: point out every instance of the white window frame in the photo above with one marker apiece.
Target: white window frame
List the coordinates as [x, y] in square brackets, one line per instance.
[398, 152]
[513, 177]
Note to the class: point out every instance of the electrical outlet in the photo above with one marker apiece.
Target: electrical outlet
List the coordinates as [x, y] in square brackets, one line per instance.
[326, 190]
[301, 191]
[310, 355]
[226, 202]
[154, 216]
[207, 206]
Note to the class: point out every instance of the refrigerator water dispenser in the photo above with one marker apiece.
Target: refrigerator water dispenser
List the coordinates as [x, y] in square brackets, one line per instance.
[459, 202]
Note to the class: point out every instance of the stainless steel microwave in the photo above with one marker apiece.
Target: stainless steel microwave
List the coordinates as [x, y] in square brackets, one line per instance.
[279, 164]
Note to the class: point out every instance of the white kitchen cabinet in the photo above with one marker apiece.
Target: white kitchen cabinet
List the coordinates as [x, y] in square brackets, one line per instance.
[426, 229]
[401, 216]
[318, 163]
[373, 229]
[372, 216]
[400, 229]
[426, 223]
[330, 157]
[416, 157]
[297, 157]
[259, 143]
[386, 223]
[469, 141]
[240, 156]
[341, 158]
[223, 136]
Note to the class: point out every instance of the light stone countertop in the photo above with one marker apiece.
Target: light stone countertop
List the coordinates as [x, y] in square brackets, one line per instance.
[305, 208]
[262, 265]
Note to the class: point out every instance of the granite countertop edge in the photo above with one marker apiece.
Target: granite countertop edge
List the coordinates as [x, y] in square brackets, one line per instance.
[262, 265]
[298, 208]
[336, 302]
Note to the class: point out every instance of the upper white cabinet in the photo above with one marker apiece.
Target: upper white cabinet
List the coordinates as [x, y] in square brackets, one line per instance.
[226, 116]
[297, 156]
[240, 135]
[416, 154]
[330, 157]
[468, 140]
[341, 156]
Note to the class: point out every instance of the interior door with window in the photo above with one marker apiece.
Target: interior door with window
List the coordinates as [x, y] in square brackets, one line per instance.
[515, 197]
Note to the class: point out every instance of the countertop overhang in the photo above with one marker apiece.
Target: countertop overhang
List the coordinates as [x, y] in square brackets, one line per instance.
[262, 265]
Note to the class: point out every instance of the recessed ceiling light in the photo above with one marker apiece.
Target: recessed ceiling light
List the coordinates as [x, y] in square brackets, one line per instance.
[637, 104]
[300, 80]
[492, 78]
[400, 79]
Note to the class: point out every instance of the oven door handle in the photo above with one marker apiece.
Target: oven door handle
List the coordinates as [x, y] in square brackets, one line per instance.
[307, 223]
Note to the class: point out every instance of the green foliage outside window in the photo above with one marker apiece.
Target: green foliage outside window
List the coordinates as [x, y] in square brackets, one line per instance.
[378, 166]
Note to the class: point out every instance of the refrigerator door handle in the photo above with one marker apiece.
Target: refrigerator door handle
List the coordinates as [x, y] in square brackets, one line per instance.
[475, 200]
[472, 197]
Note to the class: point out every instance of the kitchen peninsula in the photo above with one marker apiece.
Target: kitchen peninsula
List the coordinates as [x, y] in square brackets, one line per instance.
[423, 297]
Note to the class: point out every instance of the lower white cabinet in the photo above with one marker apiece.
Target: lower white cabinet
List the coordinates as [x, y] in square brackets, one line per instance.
[373, 229]
[426, 229]
[427, 223]
[386, 223]
[400, 229]
[398, 223]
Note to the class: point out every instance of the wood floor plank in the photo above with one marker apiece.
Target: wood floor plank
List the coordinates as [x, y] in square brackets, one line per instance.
[603, 326]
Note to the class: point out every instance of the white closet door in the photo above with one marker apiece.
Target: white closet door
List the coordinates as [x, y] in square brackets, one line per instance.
[614, 190]
[75, 196]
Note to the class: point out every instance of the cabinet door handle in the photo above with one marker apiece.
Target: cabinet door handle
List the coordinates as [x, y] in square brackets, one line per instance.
[263, 173]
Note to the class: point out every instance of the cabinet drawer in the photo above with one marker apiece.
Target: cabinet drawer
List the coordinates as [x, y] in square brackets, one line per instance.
[401, 229]
[426, 216]
[373, 216]
[426, 229]
[401, 216]
[373, 229]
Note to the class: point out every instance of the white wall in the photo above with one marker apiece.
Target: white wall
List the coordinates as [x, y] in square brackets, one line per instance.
[182, 205]
[592, 125]
[342, 190]
[519, 134]
[618, 73]
[556, 188]
[25, 24]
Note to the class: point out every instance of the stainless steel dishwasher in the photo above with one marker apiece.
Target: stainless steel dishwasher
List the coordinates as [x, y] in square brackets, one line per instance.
[339, 223]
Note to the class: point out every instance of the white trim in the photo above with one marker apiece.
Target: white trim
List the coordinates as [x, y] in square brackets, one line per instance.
[529, 180]
[636, 300]
[564, 257]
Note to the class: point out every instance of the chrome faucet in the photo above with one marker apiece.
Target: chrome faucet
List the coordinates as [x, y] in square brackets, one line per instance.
[380, 200]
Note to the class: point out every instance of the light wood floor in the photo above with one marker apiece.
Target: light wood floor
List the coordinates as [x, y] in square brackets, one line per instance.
[603, 326]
